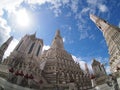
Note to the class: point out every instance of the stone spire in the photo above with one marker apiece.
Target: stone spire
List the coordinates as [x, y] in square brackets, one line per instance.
[57, 41]
[101, 24]
[98, 68]
[4, 46]
[111, 34]
[33, 35]
[57, 33]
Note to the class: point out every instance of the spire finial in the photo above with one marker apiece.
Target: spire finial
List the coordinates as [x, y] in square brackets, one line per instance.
[34, 34]
[4, 47]
[93, 18]
[57, 41]
[57, 33]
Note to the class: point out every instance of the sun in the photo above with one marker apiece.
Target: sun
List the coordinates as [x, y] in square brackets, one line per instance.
[22, 18]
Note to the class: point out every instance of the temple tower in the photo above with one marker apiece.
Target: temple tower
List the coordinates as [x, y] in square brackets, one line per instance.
[54, 68]
[29, 48]
[25, 59]
[98, 68]
[60, 68]
[99, 72]
[4, 47]
[57, 41]
[111, 34]
[30, 45]
[58, 61]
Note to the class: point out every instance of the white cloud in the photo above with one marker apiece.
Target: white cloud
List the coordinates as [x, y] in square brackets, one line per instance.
[20, 15]
[69, 28]
[104, 61]
[74, 6]
[38, 1]
[90, 67]
[84, 10]
[56, 5]
[68, 14]
[103, 8]
[78, 60]
[119, 25]
[66, 27]
[46, 47]
[1, 12]
[108, 70]
[82, 63]
[10, 5]
[93, 2]
[11, 8]
[64, 39]
[65, 1]
[89, 62]
[97, 4]
[101, 59]
[11, 47]
[92, 37]
[83, 34]
[82, 15]
[81, 18]
[103, 43]
[4, 30]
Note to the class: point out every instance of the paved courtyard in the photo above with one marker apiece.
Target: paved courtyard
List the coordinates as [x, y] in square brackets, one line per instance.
[105, 86]
[8, 86]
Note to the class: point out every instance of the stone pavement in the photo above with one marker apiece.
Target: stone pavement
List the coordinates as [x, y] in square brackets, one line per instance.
[102, 87]
[8, 86]
[105, 86]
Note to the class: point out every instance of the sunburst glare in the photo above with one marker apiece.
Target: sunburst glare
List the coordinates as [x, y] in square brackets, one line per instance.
[22, 18]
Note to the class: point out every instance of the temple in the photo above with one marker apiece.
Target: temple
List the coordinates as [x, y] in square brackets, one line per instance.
[54, 68]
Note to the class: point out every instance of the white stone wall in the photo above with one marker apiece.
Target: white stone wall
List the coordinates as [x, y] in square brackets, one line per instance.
[112, 37]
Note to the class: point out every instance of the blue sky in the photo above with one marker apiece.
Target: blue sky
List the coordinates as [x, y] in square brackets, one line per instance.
[81, 36]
